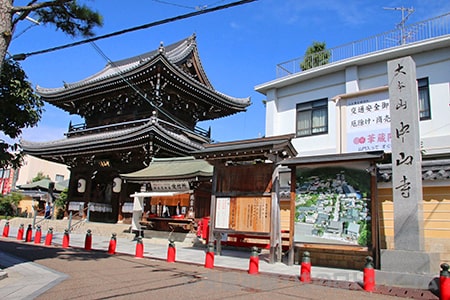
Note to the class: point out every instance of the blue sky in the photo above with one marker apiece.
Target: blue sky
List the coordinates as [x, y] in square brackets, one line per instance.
[239, 46]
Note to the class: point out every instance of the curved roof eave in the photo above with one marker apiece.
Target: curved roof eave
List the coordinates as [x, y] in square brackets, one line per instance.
[175, 53]
[97, 141]
[238, 104]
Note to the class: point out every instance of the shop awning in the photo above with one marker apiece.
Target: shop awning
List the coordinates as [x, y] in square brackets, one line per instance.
[171, 168]
[160, 194]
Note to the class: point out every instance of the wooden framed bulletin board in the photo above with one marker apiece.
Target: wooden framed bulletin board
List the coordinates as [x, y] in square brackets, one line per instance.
[243, 214]
[243, 199]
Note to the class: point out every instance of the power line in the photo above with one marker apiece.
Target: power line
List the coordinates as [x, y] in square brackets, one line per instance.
[22, 56]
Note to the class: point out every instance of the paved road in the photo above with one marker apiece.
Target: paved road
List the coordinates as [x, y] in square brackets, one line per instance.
[75, 273]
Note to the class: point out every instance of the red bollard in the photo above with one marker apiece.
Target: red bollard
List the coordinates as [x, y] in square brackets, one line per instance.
[253, 267]
[49, 237]
[199, 228]
[38, 235]
[88, 240]
[20, 233]
[209, 259]
[66, 239]
[112, 244]
[171, 251]
[369, 275]
[139, 248]
[29, 233]
[6, 229]
[305, 268]
[444, 281]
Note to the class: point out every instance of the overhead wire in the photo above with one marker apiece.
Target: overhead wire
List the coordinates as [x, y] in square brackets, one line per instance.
[145, 26]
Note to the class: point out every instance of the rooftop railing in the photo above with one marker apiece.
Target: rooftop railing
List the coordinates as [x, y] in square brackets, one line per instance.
[420, 31]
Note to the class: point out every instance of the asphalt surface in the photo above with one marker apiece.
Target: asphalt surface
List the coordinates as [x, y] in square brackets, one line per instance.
[76, 273]
[35, 271]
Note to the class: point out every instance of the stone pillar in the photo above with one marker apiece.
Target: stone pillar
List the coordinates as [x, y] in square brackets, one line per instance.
[408, 263]
[406, 156]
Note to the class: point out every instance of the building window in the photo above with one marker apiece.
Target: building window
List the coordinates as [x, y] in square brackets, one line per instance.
[312, 118]
[424, 99]
[59, 178]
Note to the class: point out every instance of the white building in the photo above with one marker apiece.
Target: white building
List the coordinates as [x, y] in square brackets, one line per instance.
[33, 165]
[316, 104]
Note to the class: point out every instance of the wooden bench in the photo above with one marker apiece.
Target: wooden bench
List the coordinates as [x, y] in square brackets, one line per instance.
[260, 241]
[182, 225]
[168, 224]
[147, 224]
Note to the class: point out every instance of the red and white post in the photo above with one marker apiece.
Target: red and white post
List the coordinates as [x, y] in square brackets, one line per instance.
[305, 268]
[369, 275]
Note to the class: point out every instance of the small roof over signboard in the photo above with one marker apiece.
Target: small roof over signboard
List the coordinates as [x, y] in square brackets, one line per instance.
[333, 158]
[260, 148]
[171, 168]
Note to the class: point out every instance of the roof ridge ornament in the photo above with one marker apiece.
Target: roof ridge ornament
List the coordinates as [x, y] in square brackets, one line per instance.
[161, 49]
[154, 117]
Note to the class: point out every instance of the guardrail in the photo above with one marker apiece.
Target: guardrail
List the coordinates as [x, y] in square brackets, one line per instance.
[431, 28]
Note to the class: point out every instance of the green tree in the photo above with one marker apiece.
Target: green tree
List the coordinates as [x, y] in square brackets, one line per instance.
[9, 203]
[66, 15]
[40, 175]
[315, 55]
[20, 106]
[60, 203]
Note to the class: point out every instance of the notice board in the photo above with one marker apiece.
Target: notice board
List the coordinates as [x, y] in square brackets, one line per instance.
[243, 214]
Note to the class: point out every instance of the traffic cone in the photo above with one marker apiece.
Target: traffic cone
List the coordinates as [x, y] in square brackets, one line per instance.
[29, 233]
[369, 275]
[88, 240]
[6, 229]
[20, 232]
[209, 259]
[253, 267]
[38, 235]
[171, 251]
[66, 239]
[305, 268]
[112, 244]
[139, 248]
[444, 281]
[49, 237]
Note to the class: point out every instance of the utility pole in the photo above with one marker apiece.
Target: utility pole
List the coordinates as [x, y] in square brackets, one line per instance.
[406, 12]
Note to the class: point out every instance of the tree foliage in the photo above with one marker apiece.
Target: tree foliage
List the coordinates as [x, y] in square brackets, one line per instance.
[315, 55]
[39, 176]
[20, 106]
[60, 203]
[71, 18]
[9, 203]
